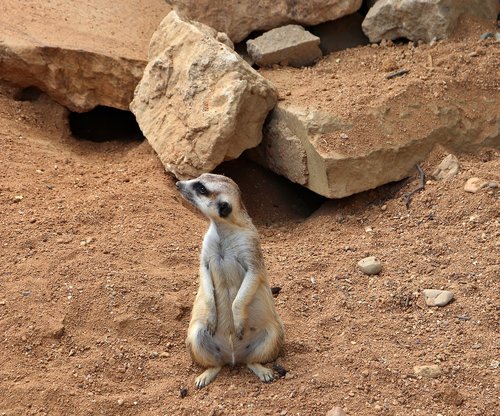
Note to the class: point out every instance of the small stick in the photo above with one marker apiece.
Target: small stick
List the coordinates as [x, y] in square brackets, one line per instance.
[421, 174]
[397, 73]
[429, 59]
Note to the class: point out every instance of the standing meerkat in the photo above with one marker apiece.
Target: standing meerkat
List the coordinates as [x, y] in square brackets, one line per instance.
[233, 318]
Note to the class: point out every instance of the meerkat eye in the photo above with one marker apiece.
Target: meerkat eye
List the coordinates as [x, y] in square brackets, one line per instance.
[200, 188]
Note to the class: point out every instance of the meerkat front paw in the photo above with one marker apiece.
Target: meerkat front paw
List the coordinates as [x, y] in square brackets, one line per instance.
[211, 324]
[239, 329]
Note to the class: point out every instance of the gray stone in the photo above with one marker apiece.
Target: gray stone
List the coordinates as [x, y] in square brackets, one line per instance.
[436, 297]
[487, 35]
[475, 184]
[287, 45]
[370, 265]
[421, 19]
[199, 103]
[447, 169]
[427, 371]
[240, 18]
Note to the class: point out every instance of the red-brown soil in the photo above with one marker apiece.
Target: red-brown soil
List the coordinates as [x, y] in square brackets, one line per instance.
[99, 264]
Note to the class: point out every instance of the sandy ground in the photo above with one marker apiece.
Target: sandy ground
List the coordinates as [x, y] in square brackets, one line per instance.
[98, 272]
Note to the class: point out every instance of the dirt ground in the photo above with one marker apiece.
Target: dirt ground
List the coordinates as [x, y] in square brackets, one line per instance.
[99, 271]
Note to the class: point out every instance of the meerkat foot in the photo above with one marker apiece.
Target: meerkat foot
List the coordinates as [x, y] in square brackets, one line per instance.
[265, 374]
[205, 378]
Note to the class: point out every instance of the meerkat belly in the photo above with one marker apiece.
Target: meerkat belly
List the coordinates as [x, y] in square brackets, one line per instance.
[227, 275]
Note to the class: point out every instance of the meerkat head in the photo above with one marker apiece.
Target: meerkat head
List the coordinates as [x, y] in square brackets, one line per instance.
[216, 196]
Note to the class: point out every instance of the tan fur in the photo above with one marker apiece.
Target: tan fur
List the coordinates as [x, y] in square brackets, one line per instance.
[233, 318]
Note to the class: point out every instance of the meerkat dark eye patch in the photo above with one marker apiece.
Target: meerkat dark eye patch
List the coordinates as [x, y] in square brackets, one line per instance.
[224, 209]
[200, 188]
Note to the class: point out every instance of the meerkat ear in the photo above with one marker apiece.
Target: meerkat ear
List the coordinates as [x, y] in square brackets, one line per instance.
[224, 209]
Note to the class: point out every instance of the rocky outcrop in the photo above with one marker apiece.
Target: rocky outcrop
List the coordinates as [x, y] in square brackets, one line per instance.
[199, 103]
[93, 54]
[239, 19]
[295, 143]
[421, 19]
[287, 45]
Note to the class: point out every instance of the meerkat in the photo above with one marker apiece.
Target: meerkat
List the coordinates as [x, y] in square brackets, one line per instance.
[233, 320]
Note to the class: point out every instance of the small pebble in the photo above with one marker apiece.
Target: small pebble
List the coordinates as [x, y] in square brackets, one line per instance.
[120, 402]
[280, 370]
[370, 265]
[275, 290]
[336, 411]
[436, 297]
[475, 184]
[17, 198]
[447, 169]
[487, 35]
[428, 371]
[183, 392]
[344, 136]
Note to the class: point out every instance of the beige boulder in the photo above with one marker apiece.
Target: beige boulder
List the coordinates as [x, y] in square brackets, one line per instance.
[239, 19]
[296, 141]
[93, 53]
[199, 103]
[421, 19]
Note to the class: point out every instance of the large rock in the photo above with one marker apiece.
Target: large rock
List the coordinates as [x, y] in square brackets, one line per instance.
[83, 54]
[287, 45]
[421, 19]
[199, 103]
[296, 141]
[239, 19]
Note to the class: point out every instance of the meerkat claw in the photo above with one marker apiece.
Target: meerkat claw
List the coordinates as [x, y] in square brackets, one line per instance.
[265, 374]
[205, 378]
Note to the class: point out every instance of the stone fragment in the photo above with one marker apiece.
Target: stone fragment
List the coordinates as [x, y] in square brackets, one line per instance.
[287, 45]
[370, 265]
[239, 19]
[77, 65]
[487, 35]
[421, 19]
[475, 184]
[428, 371]
[436, 297]
[198, 102]
[447, 169]
[336, 411]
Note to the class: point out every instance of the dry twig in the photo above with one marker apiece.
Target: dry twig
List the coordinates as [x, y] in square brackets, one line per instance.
[407, 197]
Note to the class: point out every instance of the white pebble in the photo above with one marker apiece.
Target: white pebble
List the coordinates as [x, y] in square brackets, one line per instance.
[370, 265]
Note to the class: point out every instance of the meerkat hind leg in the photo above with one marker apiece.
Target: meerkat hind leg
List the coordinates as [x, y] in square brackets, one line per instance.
[205, 378]
[265, 374]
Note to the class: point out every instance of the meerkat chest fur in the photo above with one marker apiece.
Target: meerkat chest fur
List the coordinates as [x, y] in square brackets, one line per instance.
[225, 254]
